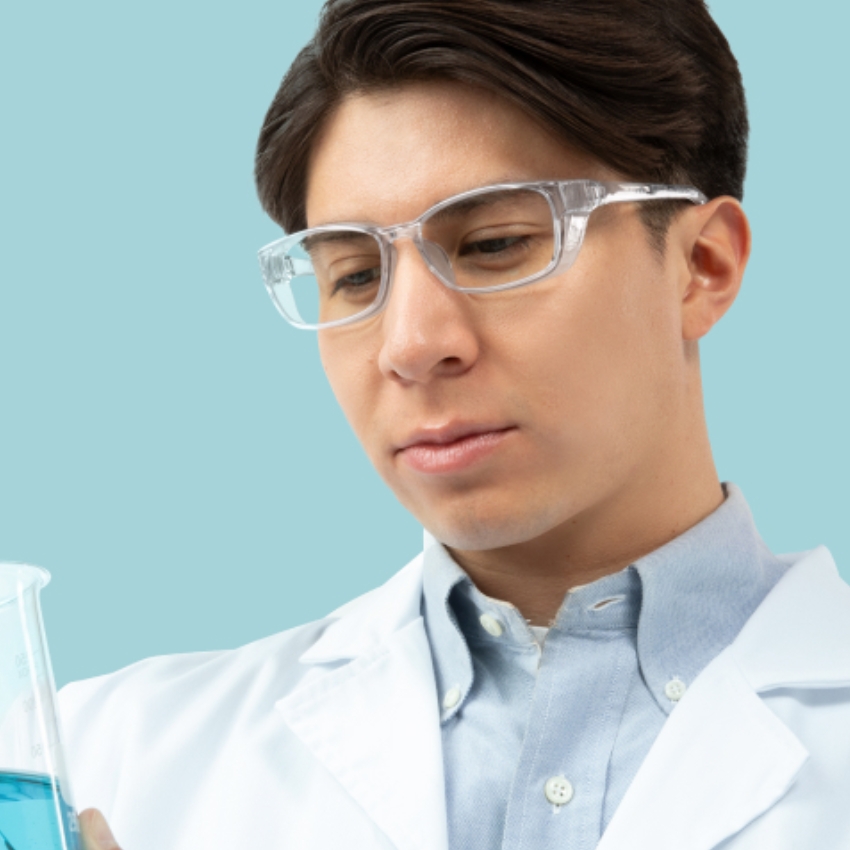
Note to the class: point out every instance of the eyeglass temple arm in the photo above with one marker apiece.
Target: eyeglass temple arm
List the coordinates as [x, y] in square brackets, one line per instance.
[623, 192]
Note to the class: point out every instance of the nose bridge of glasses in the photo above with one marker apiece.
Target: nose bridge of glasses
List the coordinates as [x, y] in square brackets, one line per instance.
[411, 230]
[434, 255]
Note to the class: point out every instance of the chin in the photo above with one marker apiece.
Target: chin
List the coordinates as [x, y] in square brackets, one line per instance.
[480, 532]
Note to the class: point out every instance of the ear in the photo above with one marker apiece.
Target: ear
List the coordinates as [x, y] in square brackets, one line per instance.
[716, 241]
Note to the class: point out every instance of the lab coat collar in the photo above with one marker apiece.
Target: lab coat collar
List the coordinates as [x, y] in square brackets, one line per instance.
[363, 624]
[806, 617]
[373, 722]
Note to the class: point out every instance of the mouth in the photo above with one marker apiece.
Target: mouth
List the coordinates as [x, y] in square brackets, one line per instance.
[453, 448]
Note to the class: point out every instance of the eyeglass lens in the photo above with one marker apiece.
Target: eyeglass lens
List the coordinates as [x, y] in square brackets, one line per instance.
[491, 239]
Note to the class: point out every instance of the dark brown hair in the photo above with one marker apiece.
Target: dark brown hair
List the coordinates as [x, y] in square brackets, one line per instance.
[649, 88]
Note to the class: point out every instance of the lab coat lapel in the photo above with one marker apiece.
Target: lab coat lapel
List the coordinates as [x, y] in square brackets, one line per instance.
[723, 757]
[374, 722]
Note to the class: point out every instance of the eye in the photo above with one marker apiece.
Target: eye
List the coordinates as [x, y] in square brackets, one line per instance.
[492, 246]
[357, 280]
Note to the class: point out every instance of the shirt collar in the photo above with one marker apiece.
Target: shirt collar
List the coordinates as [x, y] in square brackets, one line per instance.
[452, 659]
[689, 599]
[699, 590]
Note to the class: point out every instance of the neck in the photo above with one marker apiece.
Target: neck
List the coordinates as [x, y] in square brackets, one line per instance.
[603, 538]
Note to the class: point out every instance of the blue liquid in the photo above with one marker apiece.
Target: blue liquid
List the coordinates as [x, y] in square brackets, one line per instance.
[29, 815]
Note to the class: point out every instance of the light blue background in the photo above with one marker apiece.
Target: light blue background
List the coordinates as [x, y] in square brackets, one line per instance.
[169, 447]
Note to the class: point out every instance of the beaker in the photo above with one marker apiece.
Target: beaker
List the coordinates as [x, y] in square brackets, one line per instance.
[36, 812]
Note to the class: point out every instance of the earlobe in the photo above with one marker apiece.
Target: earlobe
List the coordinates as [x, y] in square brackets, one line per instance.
[719, 247]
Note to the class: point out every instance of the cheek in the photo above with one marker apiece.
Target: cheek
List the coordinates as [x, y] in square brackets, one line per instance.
[631, 302]
[352, 373]
[594, 349]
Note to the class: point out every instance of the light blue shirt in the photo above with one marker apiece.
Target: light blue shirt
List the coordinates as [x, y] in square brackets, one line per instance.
[543, 735]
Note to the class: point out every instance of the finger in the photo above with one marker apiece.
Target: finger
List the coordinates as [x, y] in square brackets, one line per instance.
[96, 832]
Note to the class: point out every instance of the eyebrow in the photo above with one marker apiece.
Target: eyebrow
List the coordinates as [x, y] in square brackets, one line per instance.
[467, 205]
[454, 208]
[318, 239]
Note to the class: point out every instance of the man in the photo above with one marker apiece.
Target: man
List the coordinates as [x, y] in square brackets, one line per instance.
[510, 224]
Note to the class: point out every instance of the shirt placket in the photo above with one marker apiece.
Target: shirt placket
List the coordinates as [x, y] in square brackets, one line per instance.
[558, 792]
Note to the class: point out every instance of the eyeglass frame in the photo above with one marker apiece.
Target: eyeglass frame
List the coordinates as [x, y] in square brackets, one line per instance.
[593, 193]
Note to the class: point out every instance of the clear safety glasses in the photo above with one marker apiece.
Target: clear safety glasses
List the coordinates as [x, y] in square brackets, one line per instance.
[486, 240]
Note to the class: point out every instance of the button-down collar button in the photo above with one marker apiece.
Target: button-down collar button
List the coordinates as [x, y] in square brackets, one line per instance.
[675, 689]
[452, 697]
[559, 790]
[491, 625]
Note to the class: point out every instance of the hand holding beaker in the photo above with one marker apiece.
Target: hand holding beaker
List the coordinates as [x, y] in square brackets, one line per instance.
[95, 831]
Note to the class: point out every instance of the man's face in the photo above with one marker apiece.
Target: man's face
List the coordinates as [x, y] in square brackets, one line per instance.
[496, 418]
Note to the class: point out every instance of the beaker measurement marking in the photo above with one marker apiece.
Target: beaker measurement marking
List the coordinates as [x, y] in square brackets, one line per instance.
[22, 663]
[28, 705]
[36, 750]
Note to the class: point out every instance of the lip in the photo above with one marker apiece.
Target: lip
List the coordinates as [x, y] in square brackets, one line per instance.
[452, 448]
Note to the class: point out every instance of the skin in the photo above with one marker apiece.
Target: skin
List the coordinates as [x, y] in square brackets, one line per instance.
[95, 831]
[595, 372]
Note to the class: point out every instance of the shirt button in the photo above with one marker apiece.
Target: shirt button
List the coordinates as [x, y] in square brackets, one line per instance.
[559, 790]
[452, 697]
[491, 625]
[675, 689]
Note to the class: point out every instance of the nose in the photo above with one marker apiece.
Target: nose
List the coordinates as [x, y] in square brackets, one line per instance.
[427, 329]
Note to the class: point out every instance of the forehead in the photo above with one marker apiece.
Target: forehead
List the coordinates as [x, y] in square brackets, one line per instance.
[386, 157]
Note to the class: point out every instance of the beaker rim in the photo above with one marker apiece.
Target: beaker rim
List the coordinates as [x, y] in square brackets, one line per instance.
[16, 578]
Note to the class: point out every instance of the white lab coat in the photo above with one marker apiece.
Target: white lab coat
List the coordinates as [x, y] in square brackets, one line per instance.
[328, 736]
